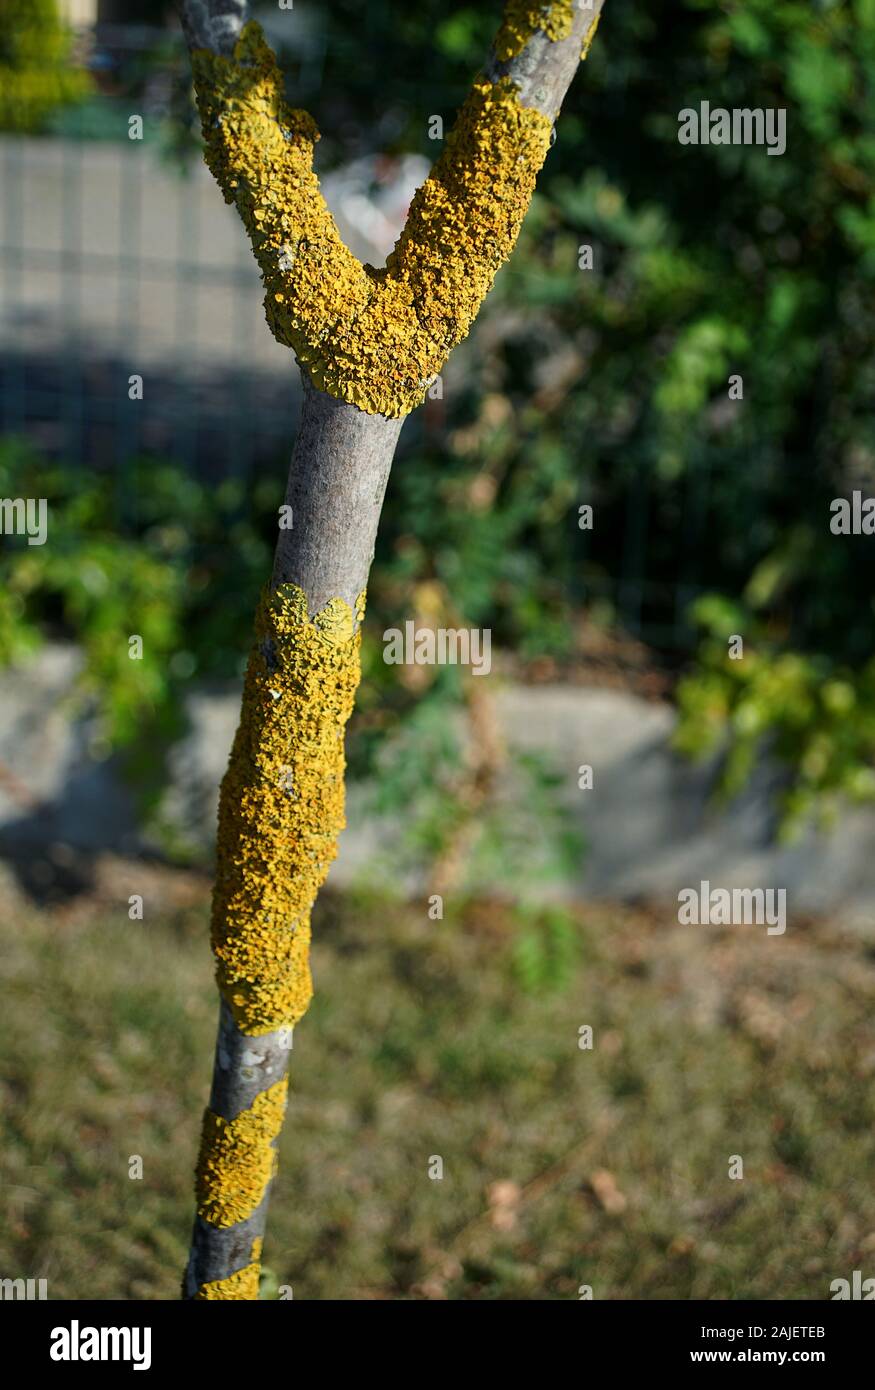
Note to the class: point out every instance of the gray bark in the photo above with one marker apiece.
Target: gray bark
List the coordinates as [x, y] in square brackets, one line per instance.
[544, 69]
[337, 481]
[214, 24]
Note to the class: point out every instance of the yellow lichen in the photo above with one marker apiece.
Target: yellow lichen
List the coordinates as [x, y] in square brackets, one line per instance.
[237, 1159]
[242, 1284]
[282, 805]
[589, 36]
[374, 338]
[522, 18]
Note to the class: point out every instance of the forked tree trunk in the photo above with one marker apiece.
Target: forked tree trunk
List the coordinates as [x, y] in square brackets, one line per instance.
[373, 340]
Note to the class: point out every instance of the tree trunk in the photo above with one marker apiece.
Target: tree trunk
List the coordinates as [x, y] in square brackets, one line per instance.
[374, 339]
[337, 480]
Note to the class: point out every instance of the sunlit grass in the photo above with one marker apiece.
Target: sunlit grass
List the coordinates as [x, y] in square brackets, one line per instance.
[562, 1167]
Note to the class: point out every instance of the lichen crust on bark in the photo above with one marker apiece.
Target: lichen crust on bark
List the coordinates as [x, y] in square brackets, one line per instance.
[523, 18]
[237, 1158]
[374, 338]
[588, 38]
[281, 805]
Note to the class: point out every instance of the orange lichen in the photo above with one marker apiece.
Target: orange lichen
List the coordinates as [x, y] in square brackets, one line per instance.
[238, 1159]
[282, 805]
[375, 338]
[521, 20]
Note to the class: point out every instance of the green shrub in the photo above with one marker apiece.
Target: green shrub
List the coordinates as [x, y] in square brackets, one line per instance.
[161, 573]
[36, 76]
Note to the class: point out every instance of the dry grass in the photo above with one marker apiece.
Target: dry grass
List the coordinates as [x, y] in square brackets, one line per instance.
[561, 1167]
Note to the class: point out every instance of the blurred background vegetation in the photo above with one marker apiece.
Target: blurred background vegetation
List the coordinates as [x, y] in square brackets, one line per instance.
[562, 1166]
[606, 386]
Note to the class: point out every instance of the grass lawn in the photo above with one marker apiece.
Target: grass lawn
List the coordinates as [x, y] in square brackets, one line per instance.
[562, 1167]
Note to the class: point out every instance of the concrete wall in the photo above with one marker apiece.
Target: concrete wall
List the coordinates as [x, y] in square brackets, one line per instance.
[649, 823]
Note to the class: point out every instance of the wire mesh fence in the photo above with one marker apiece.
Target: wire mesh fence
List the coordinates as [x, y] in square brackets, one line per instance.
[131, 317]
[131, 324]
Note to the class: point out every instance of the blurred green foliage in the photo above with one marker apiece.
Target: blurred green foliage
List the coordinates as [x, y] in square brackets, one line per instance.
[101, 587]
[36, 73]
[610, 385]
[815, 715]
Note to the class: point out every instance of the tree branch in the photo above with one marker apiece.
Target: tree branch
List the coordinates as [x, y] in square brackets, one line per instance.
[543, 68]
[378, 338]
